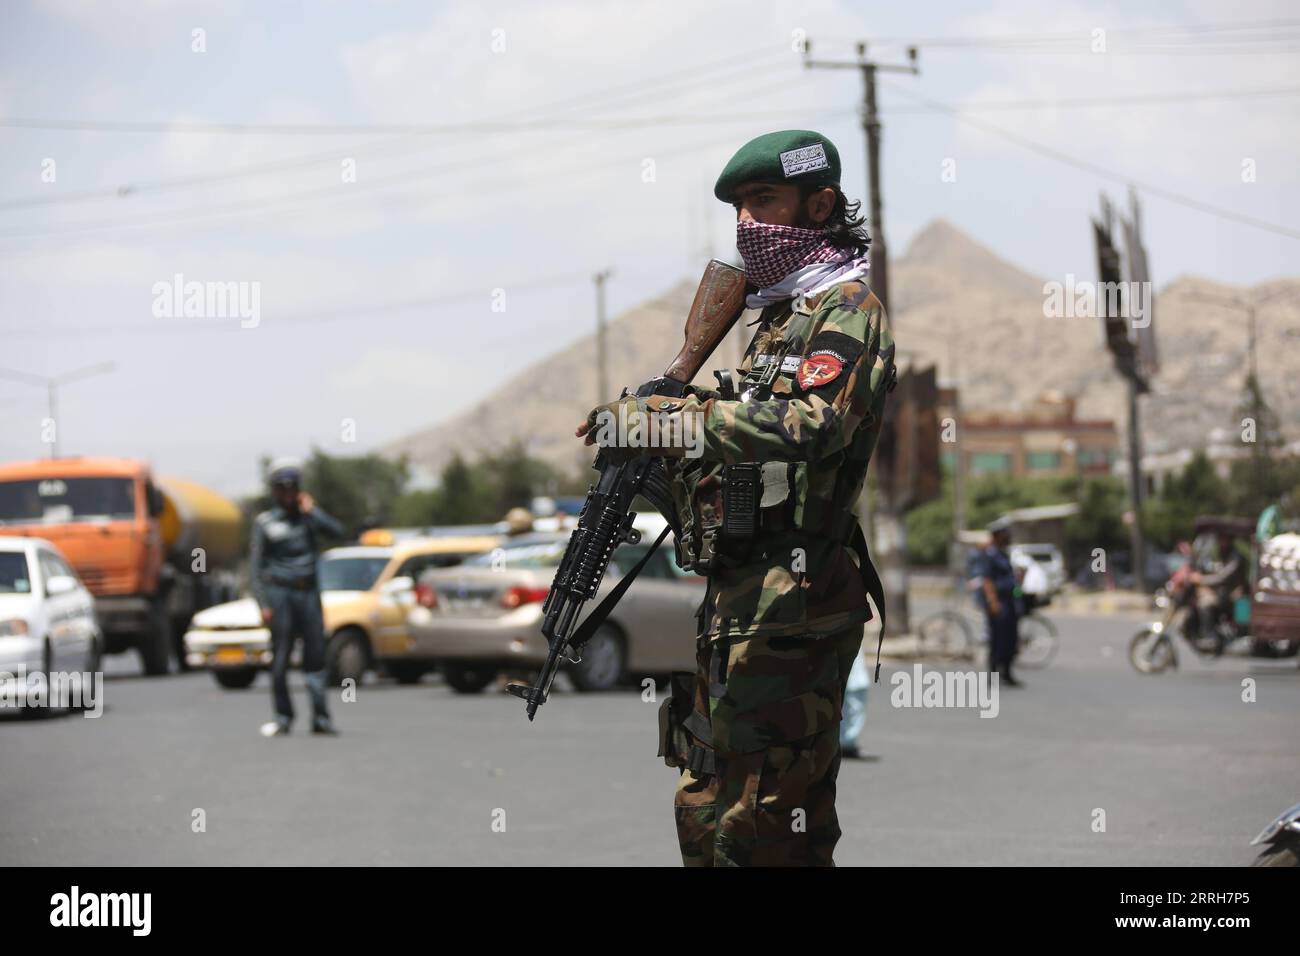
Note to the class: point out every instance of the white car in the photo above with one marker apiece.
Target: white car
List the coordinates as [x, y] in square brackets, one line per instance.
[47, 617]
[1046, 557]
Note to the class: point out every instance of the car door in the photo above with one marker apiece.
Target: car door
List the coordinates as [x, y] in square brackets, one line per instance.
[658, 613]
[391, 635]
[60, 614]
[85, 626]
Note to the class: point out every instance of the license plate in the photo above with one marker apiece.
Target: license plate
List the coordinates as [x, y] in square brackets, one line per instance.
[464, 604]
[231, 655]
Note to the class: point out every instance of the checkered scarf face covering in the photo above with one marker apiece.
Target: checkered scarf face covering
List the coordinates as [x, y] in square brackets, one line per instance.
[772, 252]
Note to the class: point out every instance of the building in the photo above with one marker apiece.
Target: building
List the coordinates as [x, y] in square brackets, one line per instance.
[1221, 447]
[1043, 441]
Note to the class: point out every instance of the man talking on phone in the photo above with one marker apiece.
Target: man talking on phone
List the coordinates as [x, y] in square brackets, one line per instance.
[282, 569]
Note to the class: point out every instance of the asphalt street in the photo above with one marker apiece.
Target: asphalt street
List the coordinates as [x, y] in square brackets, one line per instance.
[1184, 770]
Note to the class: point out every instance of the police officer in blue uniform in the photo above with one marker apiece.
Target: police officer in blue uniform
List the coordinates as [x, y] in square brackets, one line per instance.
[282, 569]
[998, 593]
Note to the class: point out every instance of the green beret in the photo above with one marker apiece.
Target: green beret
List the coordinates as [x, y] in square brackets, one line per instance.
[791, 155]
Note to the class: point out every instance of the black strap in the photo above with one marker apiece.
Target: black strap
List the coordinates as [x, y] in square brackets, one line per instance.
[597, 617]
[871, 579]
[699, 727]
[701, 761]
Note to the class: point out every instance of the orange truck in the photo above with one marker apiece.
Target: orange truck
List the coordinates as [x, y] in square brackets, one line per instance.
[153, 551]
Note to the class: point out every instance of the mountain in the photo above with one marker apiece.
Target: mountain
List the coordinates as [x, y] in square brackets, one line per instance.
[955, 304]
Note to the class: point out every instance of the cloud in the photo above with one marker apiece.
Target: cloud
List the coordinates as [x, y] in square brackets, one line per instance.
[128, 22]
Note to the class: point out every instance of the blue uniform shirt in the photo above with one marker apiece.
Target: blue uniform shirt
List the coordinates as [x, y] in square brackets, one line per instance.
[996, 564]
[284, 546]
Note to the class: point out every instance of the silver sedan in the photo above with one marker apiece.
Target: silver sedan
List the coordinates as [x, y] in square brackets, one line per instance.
[484, 617]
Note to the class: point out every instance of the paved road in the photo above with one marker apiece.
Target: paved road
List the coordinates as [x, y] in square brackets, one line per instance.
[1186, 772]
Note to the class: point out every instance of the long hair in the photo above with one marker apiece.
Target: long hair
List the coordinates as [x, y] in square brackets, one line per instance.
[845, 228]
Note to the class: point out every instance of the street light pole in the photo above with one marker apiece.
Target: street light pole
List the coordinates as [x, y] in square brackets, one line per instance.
[602, 369]
[51, 385]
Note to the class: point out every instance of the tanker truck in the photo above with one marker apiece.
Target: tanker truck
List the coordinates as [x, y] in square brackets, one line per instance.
[153, 551]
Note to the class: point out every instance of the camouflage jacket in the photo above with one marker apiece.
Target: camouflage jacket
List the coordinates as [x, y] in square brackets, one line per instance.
[814, 435]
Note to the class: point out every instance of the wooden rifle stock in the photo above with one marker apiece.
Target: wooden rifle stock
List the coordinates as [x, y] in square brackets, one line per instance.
[718, 303]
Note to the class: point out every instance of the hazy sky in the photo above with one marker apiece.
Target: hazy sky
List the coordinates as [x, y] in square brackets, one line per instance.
[528, 146]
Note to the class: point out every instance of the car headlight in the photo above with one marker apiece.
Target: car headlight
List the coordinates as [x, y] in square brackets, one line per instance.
[14, 627]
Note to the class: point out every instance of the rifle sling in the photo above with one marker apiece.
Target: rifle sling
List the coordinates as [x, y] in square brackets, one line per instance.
[871, 579]
[597, 617]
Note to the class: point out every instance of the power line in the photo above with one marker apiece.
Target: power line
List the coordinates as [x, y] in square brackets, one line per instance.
[343, 192]
[658, 87]
[1176, 98]
[642, 122]
[1044, 41]
[304, 316]
[1099, 170]
[652, 87]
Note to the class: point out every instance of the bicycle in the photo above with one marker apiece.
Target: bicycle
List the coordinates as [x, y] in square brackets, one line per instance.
[951, 634]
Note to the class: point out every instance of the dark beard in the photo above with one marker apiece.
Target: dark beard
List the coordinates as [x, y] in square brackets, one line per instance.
[804, 221]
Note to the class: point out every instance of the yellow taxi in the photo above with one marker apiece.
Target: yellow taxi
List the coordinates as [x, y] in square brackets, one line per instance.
[366, 591]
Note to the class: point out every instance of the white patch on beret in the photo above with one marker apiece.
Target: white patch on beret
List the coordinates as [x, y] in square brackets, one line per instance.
[805, 159]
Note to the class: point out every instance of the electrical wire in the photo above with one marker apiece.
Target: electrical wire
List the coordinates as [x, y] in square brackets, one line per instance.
[1097, 169]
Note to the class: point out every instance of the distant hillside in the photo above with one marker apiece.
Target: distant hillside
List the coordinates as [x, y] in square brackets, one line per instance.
[979, 318]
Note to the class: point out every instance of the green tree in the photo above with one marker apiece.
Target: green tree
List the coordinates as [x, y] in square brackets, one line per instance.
[513, 477]
[1167, 518]
[359, 490]
[1260, 479]
[1099, 522]
[929, 530]
[463, 494]
[484, 490]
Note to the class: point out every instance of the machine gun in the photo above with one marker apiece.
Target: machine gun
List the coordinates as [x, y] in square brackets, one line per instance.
[606, 518]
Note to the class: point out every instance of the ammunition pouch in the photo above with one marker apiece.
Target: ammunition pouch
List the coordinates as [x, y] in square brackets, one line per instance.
[685, 739]
[723, 519]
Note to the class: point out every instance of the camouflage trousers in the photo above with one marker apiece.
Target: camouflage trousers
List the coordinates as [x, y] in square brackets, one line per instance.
[759, 749]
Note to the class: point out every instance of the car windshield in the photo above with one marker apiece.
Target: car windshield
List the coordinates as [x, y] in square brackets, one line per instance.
[350, 574]
[526, 553]
[59, 500]
[14, 578]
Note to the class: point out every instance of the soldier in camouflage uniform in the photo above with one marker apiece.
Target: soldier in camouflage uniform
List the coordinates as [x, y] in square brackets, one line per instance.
[755, 730]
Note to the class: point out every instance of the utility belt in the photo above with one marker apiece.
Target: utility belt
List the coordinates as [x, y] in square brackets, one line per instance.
[743, 529]
[305, 583]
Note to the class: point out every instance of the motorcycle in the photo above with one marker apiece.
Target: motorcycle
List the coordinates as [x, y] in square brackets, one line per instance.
[1281, 839]
[1152, 649]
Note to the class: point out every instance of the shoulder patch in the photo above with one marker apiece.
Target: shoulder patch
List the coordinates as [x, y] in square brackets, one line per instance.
[829, 355]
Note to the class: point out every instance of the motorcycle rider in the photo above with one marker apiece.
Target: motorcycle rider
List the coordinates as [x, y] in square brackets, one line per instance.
[1219, 578]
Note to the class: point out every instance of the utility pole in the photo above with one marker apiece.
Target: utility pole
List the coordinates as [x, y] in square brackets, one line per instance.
[602, 366]
[888, 528]
[879, 279]
[957, 552]
[1131, 344]
[51, 385]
